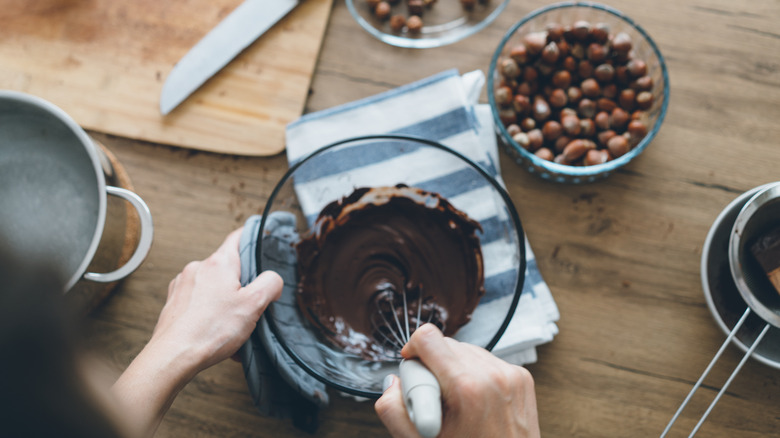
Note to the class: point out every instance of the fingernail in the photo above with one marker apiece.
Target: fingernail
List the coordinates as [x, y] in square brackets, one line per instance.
[387, 382]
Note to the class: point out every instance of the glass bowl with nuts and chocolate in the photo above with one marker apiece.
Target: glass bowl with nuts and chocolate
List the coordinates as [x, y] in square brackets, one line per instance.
[577, 91]
[422, 24]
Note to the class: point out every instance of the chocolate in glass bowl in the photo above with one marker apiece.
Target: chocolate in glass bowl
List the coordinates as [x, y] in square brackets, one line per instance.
[384, 254]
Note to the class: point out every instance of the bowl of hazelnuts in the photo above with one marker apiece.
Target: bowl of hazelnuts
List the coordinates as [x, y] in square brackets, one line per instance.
[577, 90]
[422, 24]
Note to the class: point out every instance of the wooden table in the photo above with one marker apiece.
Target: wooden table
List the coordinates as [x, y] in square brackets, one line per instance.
[621, 256]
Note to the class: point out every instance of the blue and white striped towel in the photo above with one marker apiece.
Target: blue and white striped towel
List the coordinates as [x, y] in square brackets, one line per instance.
[442, 108]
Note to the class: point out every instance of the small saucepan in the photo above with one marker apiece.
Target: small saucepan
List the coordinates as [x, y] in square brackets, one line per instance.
[738, 291]
[53, 203]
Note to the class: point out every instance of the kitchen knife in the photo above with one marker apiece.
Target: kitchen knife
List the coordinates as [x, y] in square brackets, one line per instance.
[232, 35]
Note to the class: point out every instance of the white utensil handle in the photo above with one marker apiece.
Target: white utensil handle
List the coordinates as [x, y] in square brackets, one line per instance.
[422, 397]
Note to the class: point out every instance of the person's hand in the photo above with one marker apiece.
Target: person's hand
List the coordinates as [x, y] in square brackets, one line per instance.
[208, 311]
[481, 395]
[206, 318]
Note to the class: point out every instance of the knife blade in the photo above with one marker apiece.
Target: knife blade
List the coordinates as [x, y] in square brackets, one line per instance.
[231, 36]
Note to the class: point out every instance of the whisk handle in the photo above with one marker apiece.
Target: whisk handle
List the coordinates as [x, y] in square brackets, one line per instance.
[422, 397]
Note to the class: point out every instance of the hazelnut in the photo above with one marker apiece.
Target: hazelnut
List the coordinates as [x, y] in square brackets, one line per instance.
[644, 100]
[645, 83]
[544, 154]
[415, 7]
[626, 99]
[551, 130]
[513, 129]
[578, 51]
[600, 33]
[574, 94]
[530, 74]
[561, 79]
[604, 72]
[621, 43]
[637, 129]
[528, 124]
[597, 53]
[397, 22]
[571, 125]
[590, 88]
[414, 24]
[522, 139]
[468, 4]
[535, 138]
[521, 104]
[558, 98]
[587, 127]
[519, 53]
[564, 48]
[372, 4]
[569, 64]
[586, 108]
[503, 95]
[577, 148]
[526, 89]
[621, 75]
[554, 32]
[595, 156]
[618, 146]
[580, 30]
[610, 91]
[585, 69]
[618, 119]
[535, 42]
[541, 110]
[603, 137]
[508, 66]
[561, 142]
[550, 53]
[605, 104]
[636, 68]
[382, 10]
[507, 116]
[602, 120]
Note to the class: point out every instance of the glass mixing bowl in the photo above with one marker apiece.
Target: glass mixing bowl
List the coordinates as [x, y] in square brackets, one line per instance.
[466, 179]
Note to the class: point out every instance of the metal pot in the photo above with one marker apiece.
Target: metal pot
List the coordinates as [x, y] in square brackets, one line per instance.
[53, 203]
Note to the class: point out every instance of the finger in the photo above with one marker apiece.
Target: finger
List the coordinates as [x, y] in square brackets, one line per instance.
[391, 410]
[262, 290]
[229, 249]
[428, 343]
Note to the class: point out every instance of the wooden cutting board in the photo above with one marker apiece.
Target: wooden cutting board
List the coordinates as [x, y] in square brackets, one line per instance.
[104, 62]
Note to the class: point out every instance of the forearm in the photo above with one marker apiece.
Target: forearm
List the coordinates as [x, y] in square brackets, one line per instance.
[150, 383]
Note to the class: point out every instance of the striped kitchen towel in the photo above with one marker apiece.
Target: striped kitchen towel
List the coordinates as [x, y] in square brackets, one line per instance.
[441, 108]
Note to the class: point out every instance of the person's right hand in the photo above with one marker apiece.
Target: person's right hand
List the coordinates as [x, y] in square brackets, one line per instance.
[482, 396]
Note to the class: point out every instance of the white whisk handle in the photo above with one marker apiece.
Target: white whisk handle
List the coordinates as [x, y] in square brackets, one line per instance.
[422, 397]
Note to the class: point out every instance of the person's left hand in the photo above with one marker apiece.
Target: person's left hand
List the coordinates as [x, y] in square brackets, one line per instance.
[206, 318]
[208, 311]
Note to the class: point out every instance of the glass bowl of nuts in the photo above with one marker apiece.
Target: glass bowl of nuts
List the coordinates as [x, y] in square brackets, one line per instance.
[422, 24]
[577, 90]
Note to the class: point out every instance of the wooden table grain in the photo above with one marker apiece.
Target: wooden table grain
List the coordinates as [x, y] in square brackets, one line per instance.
[621, 256]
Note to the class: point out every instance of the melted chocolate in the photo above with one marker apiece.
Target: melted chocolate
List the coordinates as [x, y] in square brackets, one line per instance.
[379, 251]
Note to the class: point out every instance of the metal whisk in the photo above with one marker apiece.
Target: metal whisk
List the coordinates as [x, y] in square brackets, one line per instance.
[394, 330]
[421, 390]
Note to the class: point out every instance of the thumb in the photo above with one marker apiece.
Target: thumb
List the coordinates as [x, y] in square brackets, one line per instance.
[262, 290]
[391, 410]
